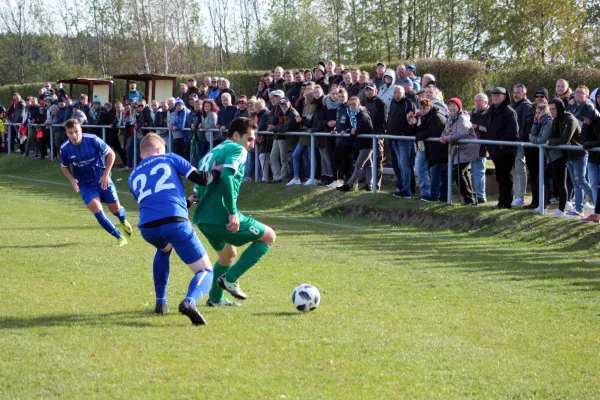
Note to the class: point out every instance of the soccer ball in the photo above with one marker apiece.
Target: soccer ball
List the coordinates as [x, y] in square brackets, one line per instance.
[306, 297]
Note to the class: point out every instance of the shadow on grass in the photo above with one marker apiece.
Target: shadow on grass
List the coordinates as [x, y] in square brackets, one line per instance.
[277, 314]
[39, 246]
[132, 318]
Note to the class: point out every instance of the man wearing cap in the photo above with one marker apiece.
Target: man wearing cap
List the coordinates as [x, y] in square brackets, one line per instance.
[214, 89]
[503, 125]
[191, 99]
[77, 113]
[192, 87]
[379, 71]
[180, 120]
[409, 93]
[242, 108]
[321, 78]
[411, 71]
[284, 120]
[378, 114]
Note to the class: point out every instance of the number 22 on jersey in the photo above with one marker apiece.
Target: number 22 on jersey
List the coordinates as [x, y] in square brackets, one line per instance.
[161, 184]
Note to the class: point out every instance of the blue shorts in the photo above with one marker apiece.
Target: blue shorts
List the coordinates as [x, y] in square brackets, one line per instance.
[181, 235]
[90, 192]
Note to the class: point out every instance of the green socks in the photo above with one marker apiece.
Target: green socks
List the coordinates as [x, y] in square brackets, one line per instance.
[252, 255]
[216, 293]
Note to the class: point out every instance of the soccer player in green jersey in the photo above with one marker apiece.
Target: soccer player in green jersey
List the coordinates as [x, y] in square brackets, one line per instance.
[220, 221]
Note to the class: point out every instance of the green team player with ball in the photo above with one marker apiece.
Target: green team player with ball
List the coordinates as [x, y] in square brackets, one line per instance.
[219, 220]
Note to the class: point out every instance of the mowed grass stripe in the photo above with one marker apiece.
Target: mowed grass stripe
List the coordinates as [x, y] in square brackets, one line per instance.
[401, 316]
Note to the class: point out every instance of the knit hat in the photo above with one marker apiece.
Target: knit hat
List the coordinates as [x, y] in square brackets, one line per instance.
[406, 81]
[542, 91]
[456, 101]
[96, 100]
[322, 68]
[412, 67]
[61, 99]
[278, 93]
[179, 102]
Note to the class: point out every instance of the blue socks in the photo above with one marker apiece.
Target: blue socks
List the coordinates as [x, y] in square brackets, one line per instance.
[121, 214]
[160, 270]
[199, 286]
[107, 224]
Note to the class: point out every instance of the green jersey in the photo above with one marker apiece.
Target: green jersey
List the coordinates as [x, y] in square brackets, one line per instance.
[218, 200]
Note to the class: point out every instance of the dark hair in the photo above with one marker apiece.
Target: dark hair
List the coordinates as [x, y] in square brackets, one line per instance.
[241, 125]
[425, 103]
[213, 106]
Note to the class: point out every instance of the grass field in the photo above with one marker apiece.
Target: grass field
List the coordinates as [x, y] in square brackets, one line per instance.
[407, 311]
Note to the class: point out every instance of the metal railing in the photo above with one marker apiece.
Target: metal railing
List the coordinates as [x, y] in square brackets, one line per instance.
[374, 138]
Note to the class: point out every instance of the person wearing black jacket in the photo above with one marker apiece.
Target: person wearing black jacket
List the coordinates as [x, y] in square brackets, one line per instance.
[503, 125]
[321, 79]
[377, 110]
[431, 125]
[264, 142]
[564, 128]
[361, 124]
[402, 151]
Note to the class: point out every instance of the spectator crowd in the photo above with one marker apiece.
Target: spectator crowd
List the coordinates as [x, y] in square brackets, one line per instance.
[342, 104]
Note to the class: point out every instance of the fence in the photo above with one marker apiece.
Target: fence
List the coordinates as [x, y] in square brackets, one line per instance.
[313, 168]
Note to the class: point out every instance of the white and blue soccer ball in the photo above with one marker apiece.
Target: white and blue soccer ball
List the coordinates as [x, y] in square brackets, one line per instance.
[306, 297]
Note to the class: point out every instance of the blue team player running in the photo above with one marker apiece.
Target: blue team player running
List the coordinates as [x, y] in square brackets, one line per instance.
[81, 159]
[157, 186]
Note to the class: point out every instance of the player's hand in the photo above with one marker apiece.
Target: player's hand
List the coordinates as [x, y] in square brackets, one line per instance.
[104, 181]
[216, 167]
[234, 223]
[75, 185]
[192, 200]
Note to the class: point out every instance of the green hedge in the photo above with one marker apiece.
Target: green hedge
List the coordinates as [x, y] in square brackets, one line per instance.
[462, 79]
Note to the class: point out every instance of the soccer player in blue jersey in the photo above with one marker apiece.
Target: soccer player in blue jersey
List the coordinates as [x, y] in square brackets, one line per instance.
[82, 162]
[157, 186]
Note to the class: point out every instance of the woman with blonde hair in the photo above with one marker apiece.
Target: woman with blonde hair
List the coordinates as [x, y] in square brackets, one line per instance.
[540, 134]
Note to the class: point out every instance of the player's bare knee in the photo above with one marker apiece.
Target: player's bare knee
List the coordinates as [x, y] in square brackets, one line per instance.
[227, 255]
[167, 248]
[114, 207]
[268, 237]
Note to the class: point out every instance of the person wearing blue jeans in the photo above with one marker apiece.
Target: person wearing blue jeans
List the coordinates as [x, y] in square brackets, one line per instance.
[478, 176]
[422, 169]
[439, 182]
[404, 150]
[577, 170]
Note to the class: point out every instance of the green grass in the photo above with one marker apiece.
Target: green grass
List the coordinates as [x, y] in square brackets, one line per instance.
[408, 311]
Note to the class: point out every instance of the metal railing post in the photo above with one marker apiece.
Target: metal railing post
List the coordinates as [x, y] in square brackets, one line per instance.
[211, 140]
[135, 131]
[374, 167]
[10, 144]
[256, 162]
[170, 140]
[313, 169]
[51, 143]
[541, 194]
[104, 140]
[449, 191]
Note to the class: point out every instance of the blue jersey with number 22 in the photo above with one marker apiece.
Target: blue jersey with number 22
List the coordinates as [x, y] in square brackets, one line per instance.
[157, 186]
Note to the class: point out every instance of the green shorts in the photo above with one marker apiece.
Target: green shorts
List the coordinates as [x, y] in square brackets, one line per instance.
[218, 236]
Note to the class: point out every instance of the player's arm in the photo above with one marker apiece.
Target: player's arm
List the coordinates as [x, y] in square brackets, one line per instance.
[67, 172]
[229, 201]
[110, 160]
